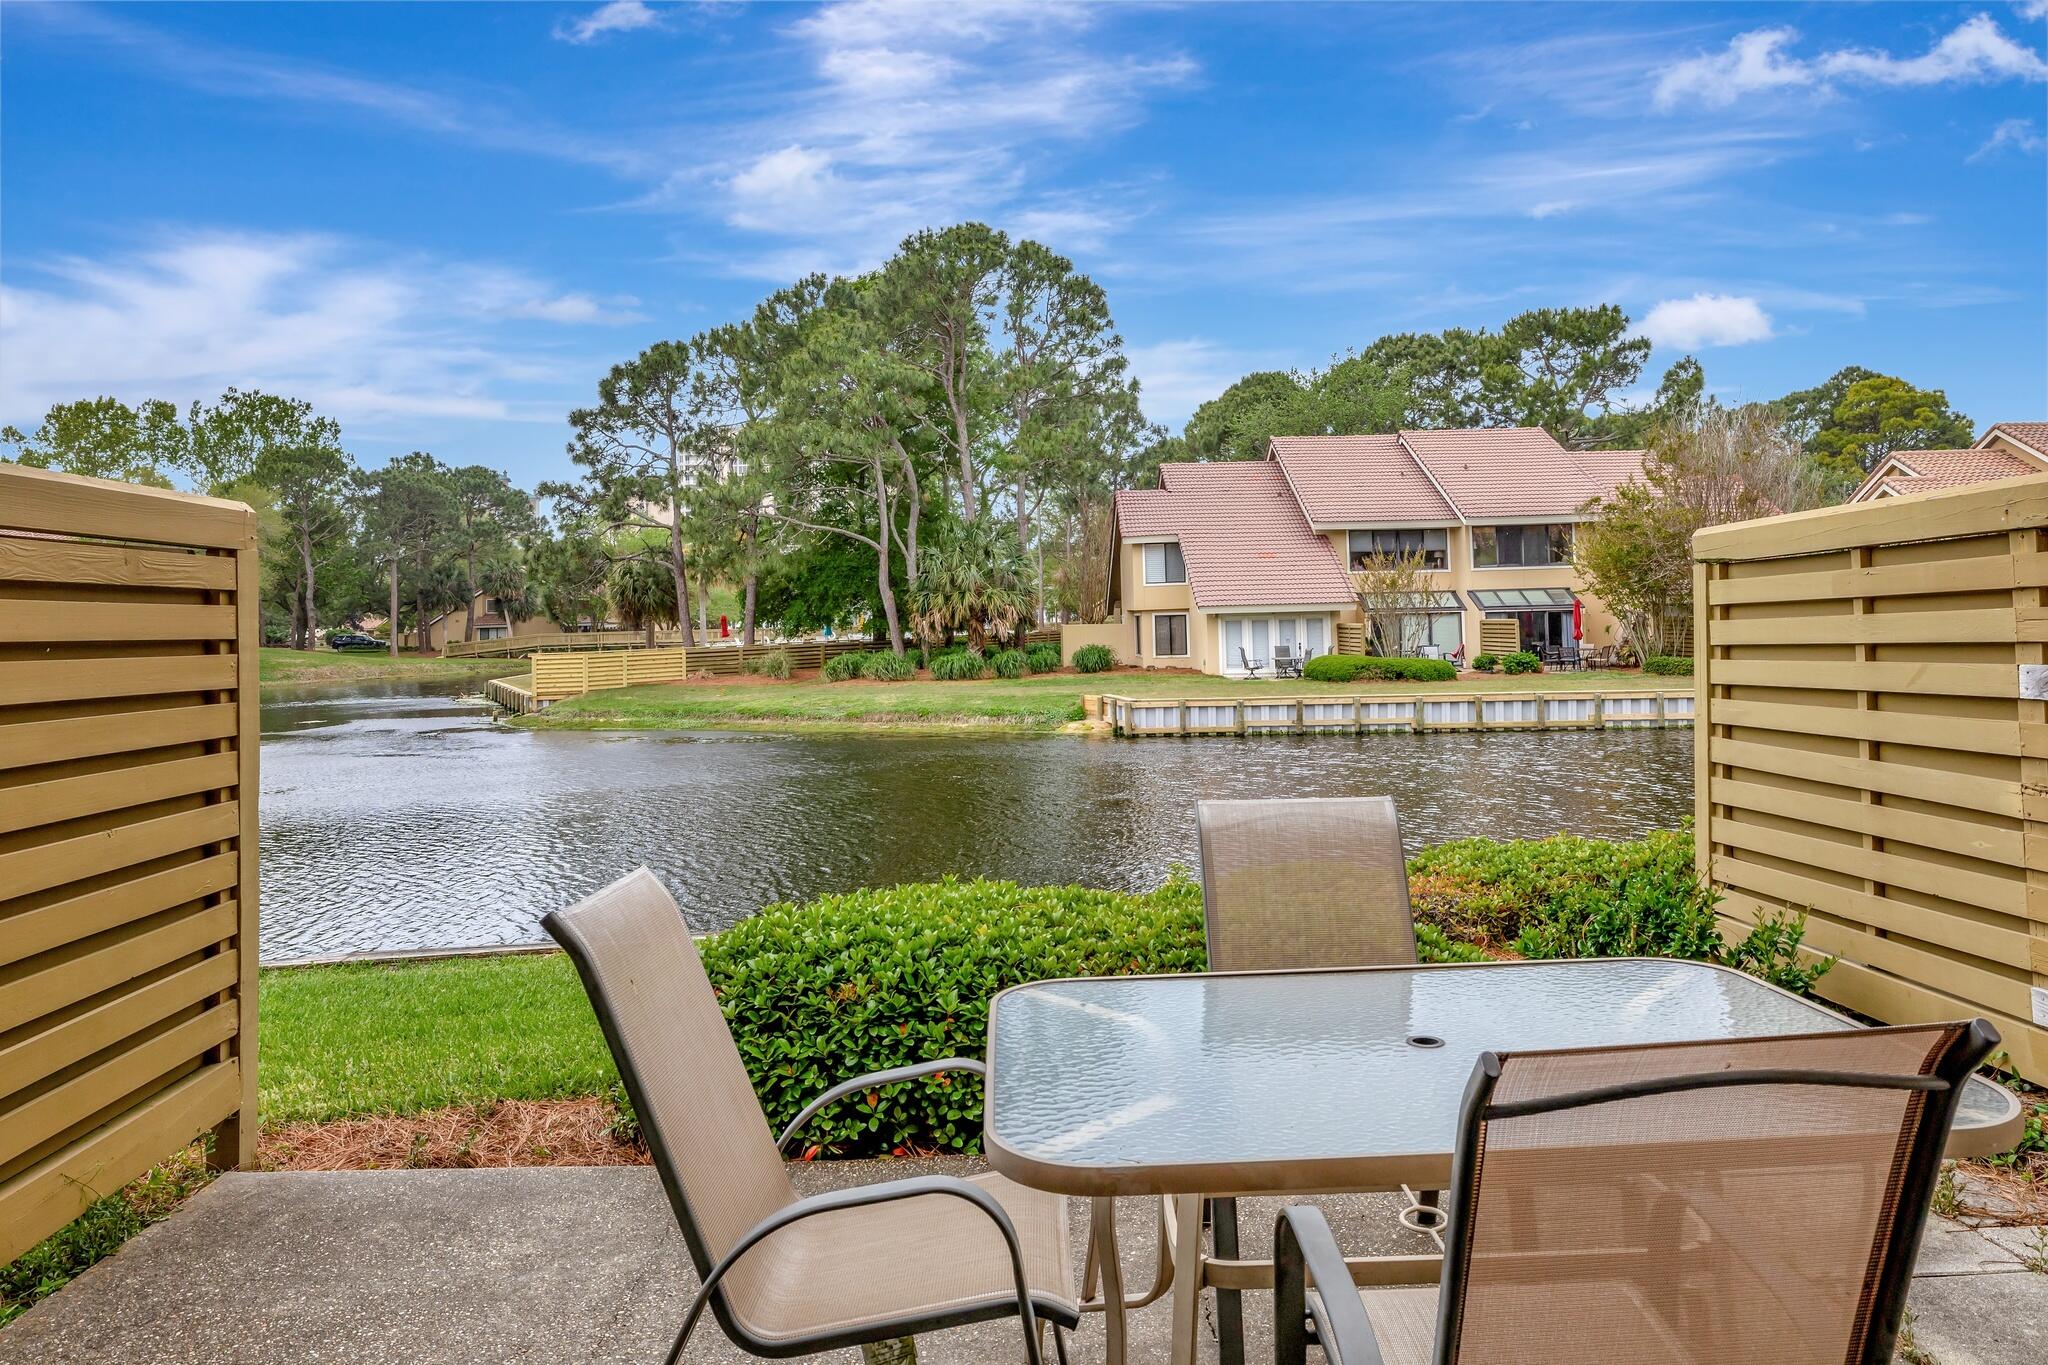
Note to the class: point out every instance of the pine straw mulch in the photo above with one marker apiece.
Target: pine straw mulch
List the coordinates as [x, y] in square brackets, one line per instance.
[507, 1133]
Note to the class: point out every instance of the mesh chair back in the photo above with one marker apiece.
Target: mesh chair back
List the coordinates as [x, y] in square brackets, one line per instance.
[1745, 1218]
[1304, 883]
[696, 1106]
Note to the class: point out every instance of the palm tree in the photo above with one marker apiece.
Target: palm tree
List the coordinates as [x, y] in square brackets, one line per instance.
[643, 593]
[974, 579]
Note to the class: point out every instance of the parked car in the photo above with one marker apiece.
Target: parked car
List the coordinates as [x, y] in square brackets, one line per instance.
[348, 639]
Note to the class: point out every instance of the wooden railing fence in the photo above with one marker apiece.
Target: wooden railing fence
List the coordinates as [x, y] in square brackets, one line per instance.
[128, 733]
[1872, 747]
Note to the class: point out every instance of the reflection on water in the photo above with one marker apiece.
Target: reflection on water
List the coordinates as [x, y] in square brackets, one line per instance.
[399, 816]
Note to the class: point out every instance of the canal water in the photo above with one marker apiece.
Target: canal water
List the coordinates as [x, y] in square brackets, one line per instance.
[400, 816]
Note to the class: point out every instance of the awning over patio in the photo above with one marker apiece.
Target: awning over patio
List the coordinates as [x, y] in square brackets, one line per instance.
[1522, 599]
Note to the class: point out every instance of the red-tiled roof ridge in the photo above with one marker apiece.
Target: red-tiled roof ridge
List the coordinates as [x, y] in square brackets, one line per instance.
[2032, 435]
[1923, 471]
[1241, 548]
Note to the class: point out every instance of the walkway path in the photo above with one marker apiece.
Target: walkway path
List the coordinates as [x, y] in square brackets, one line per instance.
[585, 1266]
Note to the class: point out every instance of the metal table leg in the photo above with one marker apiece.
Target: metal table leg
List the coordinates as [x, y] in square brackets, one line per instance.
[1229, 1302]
[1187, 1276]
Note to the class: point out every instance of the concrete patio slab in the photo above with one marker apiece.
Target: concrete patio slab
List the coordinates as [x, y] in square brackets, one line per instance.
[585, 1265]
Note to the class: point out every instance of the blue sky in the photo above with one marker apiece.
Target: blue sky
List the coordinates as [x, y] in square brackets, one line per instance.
[441, 223]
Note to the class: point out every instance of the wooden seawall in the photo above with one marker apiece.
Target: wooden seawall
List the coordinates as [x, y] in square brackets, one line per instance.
[1645, 708]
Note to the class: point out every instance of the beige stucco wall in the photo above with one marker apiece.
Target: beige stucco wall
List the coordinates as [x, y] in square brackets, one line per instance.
[1115, 634]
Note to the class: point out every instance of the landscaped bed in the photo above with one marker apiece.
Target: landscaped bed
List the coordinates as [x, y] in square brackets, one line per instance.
[498, 1061]
[1042, 702]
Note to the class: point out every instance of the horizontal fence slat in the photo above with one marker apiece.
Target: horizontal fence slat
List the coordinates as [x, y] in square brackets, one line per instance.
[1970, 839]
[1901, 957]
[1987, 626]
[47, 1051]
[1982, 573]
[112, 566]
[1966, 790]
[1933, 879]
[1992, 942]
[28, 1125]
[1950, 732]
[58, 1188]
[28, 932]
[1954, 514]
[62, 984]
[24, 743]
[50, 503]
[63, 798]
[94, 679]
[41, 866]
[1921, 679]
[61, 622]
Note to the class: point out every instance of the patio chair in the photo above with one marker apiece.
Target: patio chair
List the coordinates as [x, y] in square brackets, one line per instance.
[1250, 665]
[1285, 665]
[1287, 883]
[1755, 1199]
[787, 1276]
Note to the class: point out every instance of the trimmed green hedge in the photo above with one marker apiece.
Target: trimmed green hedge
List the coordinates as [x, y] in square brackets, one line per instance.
[1008, 663]
[1668, 666]
[1093, 659]
[1485, 663]
[1521, 661]
[1343, 668]
[1043, 658]
[873, 979]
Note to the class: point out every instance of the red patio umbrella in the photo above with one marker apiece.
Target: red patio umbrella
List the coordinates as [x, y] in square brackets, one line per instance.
[1578, 619]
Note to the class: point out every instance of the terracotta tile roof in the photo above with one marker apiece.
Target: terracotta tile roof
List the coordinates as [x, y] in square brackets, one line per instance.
[1241, 533]
[1494, 473]
[2031, 434]
[1359, 481]
[1922, 471]
[1610, 469]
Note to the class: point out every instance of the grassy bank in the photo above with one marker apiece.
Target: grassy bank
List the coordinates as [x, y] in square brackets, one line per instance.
[282, 666]
[1035, 703]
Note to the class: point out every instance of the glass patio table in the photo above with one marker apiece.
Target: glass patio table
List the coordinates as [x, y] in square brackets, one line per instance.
[1328, 1081]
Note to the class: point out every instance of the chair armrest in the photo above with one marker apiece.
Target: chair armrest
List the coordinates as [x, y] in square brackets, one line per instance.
[861, 1196]
[869, 1081]
[1305, 1252]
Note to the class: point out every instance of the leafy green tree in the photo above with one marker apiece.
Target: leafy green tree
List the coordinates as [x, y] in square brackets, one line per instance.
[1452, 377]
[565, 578]
[1678, 398]
[640, 448]
[410, 524]
[1215, 431]
[1564, 363]
[974, 579]
[735, 398]
[491, 518]
[1805, 413]
[1882, 414]
[643, 593]
[822, 582]
[104, 438]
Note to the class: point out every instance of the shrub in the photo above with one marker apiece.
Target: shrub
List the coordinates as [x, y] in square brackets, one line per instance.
[931, 652]
[872, 979]
[1485, 663]
[886, 666]
[1573, 897]
[1521, 661]
[965, 666]
[1349, 667]
[773, 664]
[1042, 658]
[1009, 663]
[844, 667]
[1093, 659]
[1668, 666]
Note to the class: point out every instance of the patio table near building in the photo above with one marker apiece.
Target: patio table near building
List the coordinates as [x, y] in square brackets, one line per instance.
[1345, 1080]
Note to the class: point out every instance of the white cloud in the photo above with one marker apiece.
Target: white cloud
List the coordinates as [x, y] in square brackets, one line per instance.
[1706, 320]
[619, 16]
[1760, 61]
[2019, 134]
[361, 334]
[1550, 208]
[2032, 9]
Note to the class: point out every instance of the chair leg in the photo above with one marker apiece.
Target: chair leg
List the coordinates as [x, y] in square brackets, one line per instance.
[1229, 1302]
[1059, 1344]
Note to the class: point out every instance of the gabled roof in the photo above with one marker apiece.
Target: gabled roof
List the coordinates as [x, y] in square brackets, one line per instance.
[1610, 469]
[1923, 471]
[1241, 533]
[1500, 473]
[1359, 481]
[2032, 435]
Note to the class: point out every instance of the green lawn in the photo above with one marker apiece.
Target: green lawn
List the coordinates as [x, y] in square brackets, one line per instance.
[1040, 703]
[345, 666]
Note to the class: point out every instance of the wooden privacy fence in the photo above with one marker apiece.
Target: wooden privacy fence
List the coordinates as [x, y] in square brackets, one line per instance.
[571, 675]
[1873, 747]
[128, 730]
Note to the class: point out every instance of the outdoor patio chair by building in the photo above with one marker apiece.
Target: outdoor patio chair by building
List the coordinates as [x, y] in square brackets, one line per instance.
[1756, 1199]
[787, 1276]
[1291, 883]
[1250, 665]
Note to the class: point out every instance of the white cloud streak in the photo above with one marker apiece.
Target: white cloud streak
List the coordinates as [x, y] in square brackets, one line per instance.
[619, 16]
[1976, 51]
[1706, 320]
[2015, 134]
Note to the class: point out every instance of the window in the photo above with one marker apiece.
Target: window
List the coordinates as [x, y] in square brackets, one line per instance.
[1163, 564]
[1536, 546]
[1250, 641]
[1170, 634]
[494, 606]
[1432, 545]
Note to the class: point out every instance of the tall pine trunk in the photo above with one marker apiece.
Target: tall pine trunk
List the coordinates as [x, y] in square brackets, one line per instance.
[747, 609]
[469, 607]
[680, 565]
[391, 626]
[306, 563]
